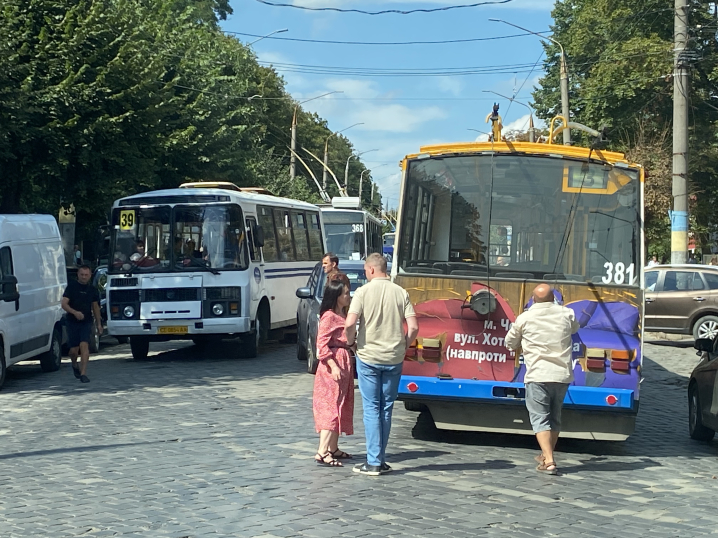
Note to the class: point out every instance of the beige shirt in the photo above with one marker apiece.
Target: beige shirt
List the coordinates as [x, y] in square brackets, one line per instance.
[381, 307]
[544, 332]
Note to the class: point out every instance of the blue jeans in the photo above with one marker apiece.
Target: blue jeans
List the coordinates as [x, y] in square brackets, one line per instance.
[379, 386]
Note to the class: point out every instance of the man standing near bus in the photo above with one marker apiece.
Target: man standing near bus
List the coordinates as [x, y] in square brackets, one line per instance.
[330, 264]
[80, 300]
[381, 307]
[543, 333]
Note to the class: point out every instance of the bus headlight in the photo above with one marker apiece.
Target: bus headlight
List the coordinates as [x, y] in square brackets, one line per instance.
[129, 311]
[218, 309]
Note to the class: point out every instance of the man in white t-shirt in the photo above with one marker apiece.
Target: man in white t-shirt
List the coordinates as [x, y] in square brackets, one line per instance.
[543, 333]
[381, 307]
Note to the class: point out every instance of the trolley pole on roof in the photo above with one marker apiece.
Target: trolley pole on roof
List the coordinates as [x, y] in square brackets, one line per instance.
[679, 215]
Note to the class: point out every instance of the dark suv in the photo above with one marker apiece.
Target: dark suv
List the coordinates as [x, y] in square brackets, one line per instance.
[682, 299]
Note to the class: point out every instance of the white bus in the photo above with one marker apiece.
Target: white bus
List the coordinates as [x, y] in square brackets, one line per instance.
[208, 261]
[352, 233]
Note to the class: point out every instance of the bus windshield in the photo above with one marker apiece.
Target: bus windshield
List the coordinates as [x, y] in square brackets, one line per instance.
[345, 234]
[521, 217]
[179, 238]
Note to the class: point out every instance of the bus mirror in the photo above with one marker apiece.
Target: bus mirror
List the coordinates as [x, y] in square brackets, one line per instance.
[258, 236]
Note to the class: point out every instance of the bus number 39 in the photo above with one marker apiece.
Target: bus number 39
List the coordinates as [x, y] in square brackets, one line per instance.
[618, 273]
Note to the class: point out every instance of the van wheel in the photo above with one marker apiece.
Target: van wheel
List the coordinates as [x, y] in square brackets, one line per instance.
[140, 346]
[2, 363]
[250, 345]
[94, 342]
[706, 327]
[262, 323]
[50, 360]
[696, 429]
[122, 339]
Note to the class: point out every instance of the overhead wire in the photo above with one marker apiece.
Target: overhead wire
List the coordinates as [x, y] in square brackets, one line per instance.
[386, 11]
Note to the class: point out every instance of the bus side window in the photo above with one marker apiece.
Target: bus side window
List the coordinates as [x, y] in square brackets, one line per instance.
[316, 247]
[301, 240]
[266, 221]
[251, 224]
[284, 236]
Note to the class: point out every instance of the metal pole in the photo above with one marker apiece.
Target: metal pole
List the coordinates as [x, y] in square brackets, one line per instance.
[326, 162]
[679, 215]
[565, 110]
[292, 159]
[372, 192]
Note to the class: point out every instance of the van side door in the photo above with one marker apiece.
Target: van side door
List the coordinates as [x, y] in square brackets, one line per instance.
[10, 312]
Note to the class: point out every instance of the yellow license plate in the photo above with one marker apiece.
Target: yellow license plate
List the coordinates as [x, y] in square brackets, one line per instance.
[172, 330]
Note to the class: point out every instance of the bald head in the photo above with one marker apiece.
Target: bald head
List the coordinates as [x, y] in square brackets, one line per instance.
[543, 293]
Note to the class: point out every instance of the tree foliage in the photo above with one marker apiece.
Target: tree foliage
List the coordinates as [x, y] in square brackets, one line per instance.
[104, 98]
[620, 63]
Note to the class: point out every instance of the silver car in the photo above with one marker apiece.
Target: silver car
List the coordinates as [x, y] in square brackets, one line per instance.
[308, 310]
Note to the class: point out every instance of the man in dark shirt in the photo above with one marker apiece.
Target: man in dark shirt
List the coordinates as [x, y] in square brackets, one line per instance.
[81, 300]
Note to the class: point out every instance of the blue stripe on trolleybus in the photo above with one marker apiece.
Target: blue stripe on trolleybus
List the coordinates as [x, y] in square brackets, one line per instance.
[492, 391]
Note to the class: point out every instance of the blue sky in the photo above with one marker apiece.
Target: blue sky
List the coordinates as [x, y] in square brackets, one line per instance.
[400, 114]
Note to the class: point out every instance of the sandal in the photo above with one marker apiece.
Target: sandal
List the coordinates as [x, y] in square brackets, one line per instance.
[540, 459]
[341, 455]
[548, 467]
[323, 460]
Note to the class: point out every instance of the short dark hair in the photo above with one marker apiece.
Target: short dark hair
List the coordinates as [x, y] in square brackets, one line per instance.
[332, 257]
[332, 292]
[84, 266]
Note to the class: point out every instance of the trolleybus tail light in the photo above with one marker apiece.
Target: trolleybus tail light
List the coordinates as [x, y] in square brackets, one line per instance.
[611, 399]
[621, 360]
[412, 387]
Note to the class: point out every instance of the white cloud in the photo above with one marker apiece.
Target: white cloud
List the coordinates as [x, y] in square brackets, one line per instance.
[450, 85]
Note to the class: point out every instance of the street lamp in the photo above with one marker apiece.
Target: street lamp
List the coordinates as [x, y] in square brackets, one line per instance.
[361, 178]
[346, 168]
[270, 34]
[326, 152]
[532, 137]
[292, 158]
[565, 112]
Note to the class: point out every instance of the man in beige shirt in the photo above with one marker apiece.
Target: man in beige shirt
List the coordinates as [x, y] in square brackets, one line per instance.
[543, 333]
[381, 307]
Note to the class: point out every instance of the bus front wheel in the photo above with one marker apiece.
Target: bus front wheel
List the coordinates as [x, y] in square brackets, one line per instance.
[140, 347]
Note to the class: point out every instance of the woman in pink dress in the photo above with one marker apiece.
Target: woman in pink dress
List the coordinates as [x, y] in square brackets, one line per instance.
[334, 382]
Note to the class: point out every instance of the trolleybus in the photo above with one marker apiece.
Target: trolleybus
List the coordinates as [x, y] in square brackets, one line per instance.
[352, 233]
[480, 225]
[208, 261]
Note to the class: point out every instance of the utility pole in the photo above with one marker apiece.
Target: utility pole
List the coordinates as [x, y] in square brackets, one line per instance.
[679, 215]
[292, 159]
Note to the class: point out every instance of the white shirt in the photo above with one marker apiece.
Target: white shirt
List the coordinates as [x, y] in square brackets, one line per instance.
[544, 332]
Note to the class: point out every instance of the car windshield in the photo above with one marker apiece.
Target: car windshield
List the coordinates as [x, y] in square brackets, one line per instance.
[357, 278]
[179, 238]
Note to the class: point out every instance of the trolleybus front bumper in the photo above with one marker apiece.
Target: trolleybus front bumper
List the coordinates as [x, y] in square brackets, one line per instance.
[465, 404]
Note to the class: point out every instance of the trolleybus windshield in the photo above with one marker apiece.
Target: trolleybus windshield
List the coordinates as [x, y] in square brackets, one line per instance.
[345, 234]
[521, 217]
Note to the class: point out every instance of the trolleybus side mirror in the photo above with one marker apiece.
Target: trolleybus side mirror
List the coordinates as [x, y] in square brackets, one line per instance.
[258, 236]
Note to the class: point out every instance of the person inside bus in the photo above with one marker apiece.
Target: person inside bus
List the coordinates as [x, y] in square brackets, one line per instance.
[330, 264]
[333, 400]
[140, 257]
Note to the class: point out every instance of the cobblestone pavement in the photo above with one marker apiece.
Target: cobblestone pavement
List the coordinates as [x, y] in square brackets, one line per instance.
[184, 446]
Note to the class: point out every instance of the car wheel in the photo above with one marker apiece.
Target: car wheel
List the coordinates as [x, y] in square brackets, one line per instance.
[140, 347]
[94, 340]
[50, 360]
[415, 406]
[695, 425]
[706, 327]
[312, 362]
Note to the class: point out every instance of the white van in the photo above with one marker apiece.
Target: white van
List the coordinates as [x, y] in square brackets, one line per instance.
[32, 281]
